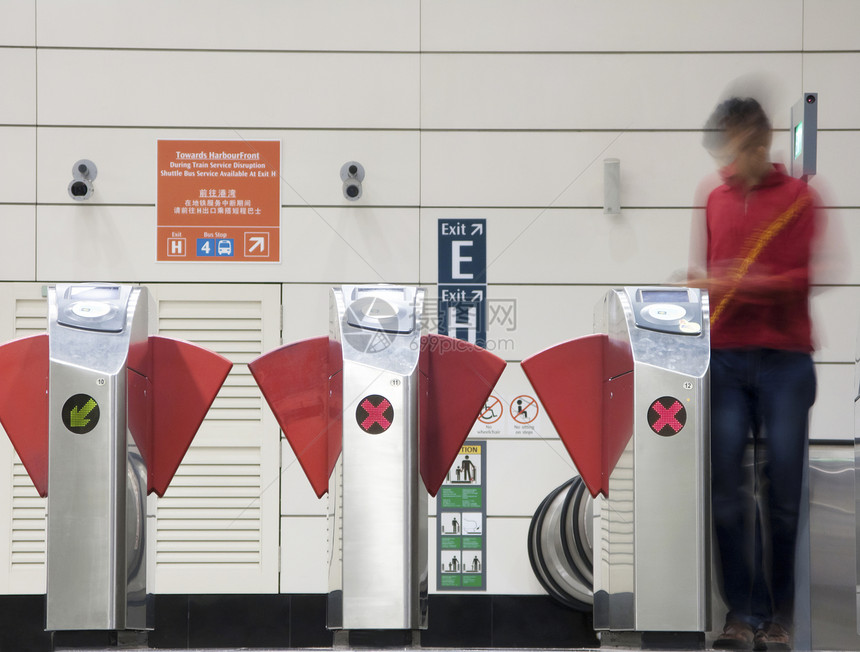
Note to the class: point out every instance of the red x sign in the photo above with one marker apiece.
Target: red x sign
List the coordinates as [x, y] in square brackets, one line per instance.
[667, 416]
[374, 414]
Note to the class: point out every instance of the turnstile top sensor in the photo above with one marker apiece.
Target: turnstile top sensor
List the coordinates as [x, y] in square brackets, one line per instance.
[388, 310]
[93, 307]
[667, 310]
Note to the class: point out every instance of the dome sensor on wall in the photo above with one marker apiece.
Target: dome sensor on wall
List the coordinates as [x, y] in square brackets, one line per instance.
[84, 173]
[352, 174]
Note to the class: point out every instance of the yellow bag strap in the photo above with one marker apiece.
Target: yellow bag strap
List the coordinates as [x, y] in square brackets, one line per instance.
[756, 242]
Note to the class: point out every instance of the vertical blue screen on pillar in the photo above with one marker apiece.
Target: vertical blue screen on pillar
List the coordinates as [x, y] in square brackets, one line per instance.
[463, 313]
[462, 279]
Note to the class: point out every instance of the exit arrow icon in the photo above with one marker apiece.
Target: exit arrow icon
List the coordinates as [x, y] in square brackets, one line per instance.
[78, 416]
[258, 242]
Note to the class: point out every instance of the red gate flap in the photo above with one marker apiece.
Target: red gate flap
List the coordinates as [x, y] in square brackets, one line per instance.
[568, 379]
[301, 382]
[456, 380]
[184, 380]
[24, 365]
[617, 421]
[587, 389]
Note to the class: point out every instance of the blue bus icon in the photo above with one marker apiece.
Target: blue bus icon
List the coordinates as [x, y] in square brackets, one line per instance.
[225, 247]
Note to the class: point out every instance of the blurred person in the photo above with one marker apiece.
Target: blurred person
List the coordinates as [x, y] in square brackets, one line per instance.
[757, 240]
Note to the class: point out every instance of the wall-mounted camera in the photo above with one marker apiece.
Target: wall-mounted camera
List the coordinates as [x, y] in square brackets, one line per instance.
[352, 174]
[84, 173]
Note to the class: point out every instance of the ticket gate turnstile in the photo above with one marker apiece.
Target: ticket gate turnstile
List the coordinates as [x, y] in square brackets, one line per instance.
[377, 504]
[96, 475]
[631, 406]
[101, 413]
[371, 411]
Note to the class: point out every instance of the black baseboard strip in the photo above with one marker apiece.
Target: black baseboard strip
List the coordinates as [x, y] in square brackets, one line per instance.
[298, 621]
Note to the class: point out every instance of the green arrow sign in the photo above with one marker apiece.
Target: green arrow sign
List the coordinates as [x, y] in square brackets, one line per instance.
[80, 413]
[78, 417]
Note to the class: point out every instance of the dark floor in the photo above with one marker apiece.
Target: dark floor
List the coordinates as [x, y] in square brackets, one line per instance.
[297, 622]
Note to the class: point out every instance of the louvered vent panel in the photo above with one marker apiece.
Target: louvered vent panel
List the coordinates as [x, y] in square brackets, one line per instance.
[211, 513]
[28, 519]
[217, 523]
[28, 509]
[31, 317]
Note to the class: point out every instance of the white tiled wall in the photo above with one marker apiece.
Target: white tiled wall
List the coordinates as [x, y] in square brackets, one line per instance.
[298, 25]
[495, 109]
[18, 223]
[17, 181]
[586, 90]
[621, 27]
[228, 89]
[18, 81]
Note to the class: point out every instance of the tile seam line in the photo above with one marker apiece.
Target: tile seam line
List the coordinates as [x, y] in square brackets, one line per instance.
[420, 52]
[417, 130]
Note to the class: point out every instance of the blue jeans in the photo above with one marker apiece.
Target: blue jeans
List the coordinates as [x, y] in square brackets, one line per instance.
[767, 394]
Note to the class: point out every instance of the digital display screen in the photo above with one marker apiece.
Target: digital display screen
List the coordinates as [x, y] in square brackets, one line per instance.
[798, 140]
[397, 294]
[665, 296]
[94, 292]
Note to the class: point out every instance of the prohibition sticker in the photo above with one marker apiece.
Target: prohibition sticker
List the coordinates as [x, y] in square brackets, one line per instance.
[524, 409]
[667, 416]
[80, 414]
[374, 414]
[492, 410]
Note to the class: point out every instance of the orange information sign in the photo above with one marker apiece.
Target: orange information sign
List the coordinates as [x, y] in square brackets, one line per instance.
[219, 201]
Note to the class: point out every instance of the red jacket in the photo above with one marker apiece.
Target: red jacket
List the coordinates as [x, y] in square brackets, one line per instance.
[763, 240]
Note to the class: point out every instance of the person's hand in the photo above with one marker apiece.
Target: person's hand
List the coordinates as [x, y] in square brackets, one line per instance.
[719, 280]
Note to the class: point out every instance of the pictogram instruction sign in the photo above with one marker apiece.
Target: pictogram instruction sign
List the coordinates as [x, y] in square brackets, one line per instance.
[461, 522]
[219, 201]
[492, 411]
[492, 419]
[524, 409]
[525, 413]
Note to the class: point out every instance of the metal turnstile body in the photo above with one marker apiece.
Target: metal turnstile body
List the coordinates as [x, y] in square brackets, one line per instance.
[96, 530]
[377, 501]
[856, 476]
[652, 557]
[101, 413]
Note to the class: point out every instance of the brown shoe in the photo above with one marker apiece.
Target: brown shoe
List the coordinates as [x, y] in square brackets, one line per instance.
[775, 637]
[735, 636]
